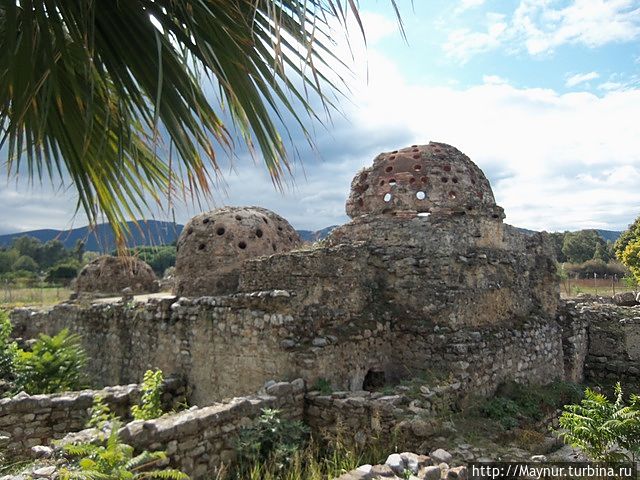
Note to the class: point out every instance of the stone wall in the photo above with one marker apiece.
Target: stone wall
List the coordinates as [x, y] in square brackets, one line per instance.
[575, 340]
[614, 345]
[29, 420]
[199, 440]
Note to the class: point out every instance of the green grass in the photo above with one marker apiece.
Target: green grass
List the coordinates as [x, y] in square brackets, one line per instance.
[40, 297]
[571, 288]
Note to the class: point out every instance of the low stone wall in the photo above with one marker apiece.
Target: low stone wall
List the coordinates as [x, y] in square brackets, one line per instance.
[29, 420]
[614, 345]
[575, 341]
[199, 440]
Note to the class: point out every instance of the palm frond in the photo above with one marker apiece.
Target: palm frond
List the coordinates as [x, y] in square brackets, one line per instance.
[110, 87]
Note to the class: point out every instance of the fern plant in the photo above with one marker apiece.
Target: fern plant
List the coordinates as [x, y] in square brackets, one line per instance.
[100, 414]
[115, 460]
[151, 402]
[601, 428]
[54, 364]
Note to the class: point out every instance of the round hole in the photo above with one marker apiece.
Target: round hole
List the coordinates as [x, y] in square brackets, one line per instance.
[417, 167]
[265, 220]
[392, 157]
[387, 197]
[395, 151]
[381, 183]
[469, 208]
[392, 182]
[495, 216]
[424, 179]
[279, 228]
[273, 245]
[364, 176]
[201, 246]
[447, 168]
[421, 195]
[416, 156]
[454, 180]
[290, 239]
[452, 194]
[473, 182]
[259, 233]
[220, 231]
[414, 146]
[238, 217]
[360, 202]
[388, 169]
[189, 231]
[242, 245]
[412, 180]
[206, 220]
[444, 179]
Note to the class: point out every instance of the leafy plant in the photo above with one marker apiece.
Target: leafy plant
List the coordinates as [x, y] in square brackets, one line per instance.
[100, 413]
[55, 364]
[323, 386]
[115, 461]
[271, 439]
[151, 402]
[601, 428]
[8, 347]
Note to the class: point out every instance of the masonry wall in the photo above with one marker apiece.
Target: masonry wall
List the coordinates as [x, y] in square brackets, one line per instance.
[29, 420]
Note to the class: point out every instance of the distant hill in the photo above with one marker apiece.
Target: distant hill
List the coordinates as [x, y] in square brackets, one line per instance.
[609, 234]
[148, 233]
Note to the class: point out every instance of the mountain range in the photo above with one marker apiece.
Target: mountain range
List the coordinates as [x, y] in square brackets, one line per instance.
[155, 232]
[146, 233]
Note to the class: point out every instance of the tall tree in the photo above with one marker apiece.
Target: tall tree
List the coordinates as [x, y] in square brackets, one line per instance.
[627, 248]
[109, 83]
[580, 246]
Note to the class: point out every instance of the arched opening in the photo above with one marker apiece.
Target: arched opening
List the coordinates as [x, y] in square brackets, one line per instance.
[374, 380]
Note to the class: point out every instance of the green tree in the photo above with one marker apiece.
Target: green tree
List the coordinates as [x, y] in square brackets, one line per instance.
[581, 246]
[557, 239]
[25, 263]
[627, 248]
[63, 273]
[29, 246]
[53, 252]
[601, 253]
[630, 235]
[109, 84]
[7, 259]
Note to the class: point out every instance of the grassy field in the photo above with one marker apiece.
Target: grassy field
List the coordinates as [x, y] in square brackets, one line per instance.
[11, 297]
[600, 286]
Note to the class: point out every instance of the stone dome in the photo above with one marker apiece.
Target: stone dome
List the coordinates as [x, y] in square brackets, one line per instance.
[110, 275]
[433, 178]
[213, 246]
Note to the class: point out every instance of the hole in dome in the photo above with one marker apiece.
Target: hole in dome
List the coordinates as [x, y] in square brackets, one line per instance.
[206, 220]
[415, 150]
[279, 228]
[290, 239]
[454, 180]
[416, 156]
[365, 187]
[392, 182]
[265, 220]
[360, 202]
[273, 245]
[189, 231]
[201, 246]
[417, 167]
[452, 195]
[421, 195]
[414, 146]
[242, 245]
[388, 169]
[424, 214]
[444, 179]
[392, 157]
[387, 197]
[395, 151]
[424, 179]
[259, 233]
[447, 168]
[412, 180]
[220, 231]
[473, 182]
[495, 215]
[470, 207]
[364, 176]
[381, 183]
[238, 217]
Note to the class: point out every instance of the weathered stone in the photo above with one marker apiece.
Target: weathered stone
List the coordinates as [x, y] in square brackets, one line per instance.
[110, 275]
[440, 456]
[395, 463]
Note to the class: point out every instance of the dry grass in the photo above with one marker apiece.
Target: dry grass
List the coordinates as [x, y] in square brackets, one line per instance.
[38, 297]
[600, 286]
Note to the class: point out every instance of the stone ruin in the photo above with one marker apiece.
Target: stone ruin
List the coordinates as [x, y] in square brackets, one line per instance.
[425, 280]
[108, 275]
[213, 246]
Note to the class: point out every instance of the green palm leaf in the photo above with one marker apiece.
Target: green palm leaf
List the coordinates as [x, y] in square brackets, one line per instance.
[112, 89]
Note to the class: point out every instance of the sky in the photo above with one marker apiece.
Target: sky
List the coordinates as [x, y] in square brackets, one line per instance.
[543, 95]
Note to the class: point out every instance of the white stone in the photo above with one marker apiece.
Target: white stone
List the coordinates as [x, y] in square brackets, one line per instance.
[395, 463]
[440, 456]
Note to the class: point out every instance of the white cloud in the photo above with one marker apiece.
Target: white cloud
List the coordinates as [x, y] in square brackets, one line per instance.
[579, 78]
[468, 4]
[539, 27]
[494, 80]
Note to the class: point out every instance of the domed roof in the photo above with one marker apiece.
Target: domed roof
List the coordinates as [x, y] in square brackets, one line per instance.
[421, 178]
[213, 246]
[110, 275]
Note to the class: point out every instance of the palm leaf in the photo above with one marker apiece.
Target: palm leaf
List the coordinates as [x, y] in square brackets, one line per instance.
[113, 88]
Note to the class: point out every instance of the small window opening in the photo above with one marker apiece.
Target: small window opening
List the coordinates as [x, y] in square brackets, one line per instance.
[374, 380]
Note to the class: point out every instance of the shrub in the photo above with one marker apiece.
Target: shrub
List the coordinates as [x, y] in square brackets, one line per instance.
[151, 402]
[114, 461]
[55, 364]
[99, 414]
[601, 428]
[8, 347]
[271, 440]
[323, 386]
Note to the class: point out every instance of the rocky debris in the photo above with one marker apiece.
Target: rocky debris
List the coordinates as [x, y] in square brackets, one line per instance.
[626, 299]
[108, 275]
[400, 466]
[213, 246]
[441, 456]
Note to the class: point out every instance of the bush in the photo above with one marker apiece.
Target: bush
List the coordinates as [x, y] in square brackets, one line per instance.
[8, 347]
[601, 428]
[115, 460]
[99, 414]
[151, 403]
[55, 364]
[63, 273]
[271, 440]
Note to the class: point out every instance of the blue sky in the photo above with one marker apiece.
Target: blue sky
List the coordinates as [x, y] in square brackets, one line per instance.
[543, 95]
